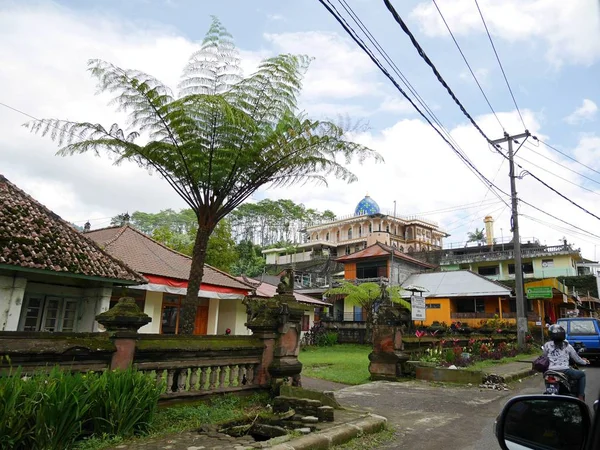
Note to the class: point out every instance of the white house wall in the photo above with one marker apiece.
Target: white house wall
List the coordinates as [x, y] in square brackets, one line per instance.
[12, 292]
[94, 302]
[232, 315]
[153, 307]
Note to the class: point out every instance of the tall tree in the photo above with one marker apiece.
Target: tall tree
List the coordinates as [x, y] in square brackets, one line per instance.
[250, 260]
[366, 296]
[218, 140]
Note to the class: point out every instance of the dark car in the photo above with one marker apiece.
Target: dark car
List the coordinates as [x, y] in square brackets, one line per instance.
[547, 422]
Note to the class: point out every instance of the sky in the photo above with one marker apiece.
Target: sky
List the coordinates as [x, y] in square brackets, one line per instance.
[550, 52]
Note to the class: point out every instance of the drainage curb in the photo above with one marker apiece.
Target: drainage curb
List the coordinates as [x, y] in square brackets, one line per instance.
[337, 435]
[514, 376]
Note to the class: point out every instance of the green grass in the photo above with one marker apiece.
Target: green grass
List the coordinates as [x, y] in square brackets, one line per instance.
[174, 419]
[481, 365]
[368, 441]
[342, 363]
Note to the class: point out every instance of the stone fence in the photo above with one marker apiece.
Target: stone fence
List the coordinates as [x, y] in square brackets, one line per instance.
[189, 366]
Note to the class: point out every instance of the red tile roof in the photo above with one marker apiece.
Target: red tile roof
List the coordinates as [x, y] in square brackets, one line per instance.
[378, 250]
[150, 257]
[33, 237]
[264, 289]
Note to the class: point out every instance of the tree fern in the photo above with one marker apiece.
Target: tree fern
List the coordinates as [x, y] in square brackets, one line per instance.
[218, 140]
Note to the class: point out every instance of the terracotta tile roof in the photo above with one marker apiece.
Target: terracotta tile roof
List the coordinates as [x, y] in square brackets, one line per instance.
[377, 250]
[268, 290]
[150, 257]
[33, 237]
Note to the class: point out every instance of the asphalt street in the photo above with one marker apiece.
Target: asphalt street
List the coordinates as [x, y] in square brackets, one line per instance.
[430, 416]
[488, 441]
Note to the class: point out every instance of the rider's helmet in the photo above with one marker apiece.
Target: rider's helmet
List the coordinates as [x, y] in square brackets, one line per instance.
[557, 333]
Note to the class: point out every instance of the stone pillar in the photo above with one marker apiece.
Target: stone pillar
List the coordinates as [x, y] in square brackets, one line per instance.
[122, 323]
[277, 322]
[387, 358]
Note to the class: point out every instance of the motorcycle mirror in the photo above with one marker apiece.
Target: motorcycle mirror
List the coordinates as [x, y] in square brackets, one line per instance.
[540, 421]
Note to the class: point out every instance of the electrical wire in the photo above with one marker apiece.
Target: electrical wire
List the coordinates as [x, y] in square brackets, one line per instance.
[576, 234]
[424, 56]
[557, 218]
[467, 63]
[535, 138]
[562, 165]
[557, 176]
[500, 63]
[335, 13]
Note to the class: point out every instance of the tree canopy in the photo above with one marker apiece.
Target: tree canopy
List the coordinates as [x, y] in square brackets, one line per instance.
[216, 140]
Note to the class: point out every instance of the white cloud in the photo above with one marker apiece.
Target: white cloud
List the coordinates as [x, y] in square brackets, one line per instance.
[340, 70]
[421, 173]
[275, 17]
[588, 151]
[570, 30]
[396, 105]
[481, 74]
[586, 112]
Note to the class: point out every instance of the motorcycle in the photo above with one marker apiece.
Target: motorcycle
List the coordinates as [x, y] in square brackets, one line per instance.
[557, 383]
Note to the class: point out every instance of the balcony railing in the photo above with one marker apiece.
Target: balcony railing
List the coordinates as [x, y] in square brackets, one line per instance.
[478, 315]
[345, 317]
[506, 255]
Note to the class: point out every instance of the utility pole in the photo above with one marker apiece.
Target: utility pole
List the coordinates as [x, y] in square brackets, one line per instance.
[519, 289]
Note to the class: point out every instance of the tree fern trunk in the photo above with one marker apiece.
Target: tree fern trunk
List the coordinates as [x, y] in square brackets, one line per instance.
[187, 320]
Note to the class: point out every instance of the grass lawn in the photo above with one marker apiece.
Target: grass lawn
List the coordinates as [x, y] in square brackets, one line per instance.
[342, 363]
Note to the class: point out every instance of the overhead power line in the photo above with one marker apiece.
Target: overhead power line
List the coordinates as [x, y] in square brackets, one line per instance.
[565, 155]
[556, 175]
[499, 63]
[467, 63]
[562, 165]
[335, 13]
[564, 230]
[558, 218]
[423, 55]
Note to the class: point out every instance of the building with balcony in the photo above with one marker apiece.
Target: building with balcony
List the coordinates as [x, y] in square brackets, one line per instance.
[351, 234]
[495, 259]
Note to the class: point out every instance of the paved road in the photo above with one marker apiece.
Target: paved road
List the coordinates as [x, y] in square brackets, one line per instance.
[486, 439]
[428, 416]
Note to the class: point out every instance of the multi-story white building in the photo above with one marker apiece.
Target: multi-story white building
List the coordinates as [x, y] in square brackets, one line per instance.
[349, 234]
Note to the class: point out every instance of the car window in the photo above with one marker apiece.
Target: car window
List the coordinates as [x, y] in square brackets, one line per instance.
[583, 327]
[564, 324]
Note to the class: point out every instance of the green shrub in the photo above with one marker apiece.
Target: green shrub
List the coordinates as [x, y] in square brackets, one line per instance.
[50, 411]
[327, 339]
[124, 402]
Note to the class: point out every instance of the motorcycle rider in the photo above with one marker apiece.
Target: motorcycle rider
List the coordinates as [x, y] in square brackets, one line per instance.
[559, 352]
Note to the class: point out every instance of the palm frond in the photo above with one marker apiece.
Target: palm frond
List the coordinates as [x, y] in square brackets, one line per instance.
[215, 68]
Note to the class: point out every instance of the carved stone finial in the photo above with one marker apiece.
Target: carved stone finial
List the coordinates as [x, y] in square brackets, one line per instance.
[125, 316]
[286, 283]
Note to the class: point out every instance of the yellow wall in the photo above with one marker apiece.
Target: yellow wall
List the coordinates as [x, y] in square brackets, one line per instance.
[439, 315]
[232, 315]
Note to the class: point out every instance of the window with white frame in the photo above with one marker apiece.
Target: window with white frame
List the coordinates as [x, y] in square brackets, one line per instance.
[48, 313]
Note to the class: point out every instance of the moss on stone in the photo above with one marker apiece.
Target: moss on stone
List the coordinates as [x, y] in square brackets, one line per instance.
[198, 343]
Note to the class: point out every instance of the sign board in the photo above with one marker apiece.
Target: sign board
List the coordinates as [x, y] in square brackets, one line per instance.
[539, 292]
[417, 307]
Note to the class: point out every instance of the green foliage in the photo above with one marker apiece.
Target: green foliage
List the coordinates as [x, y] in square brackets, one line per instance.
[51, 411]
[320, 336]
[221, 252]
[250, 260]
[274, 223]
[123, 403]
[174, 419]
[218, 140]
[476, 236]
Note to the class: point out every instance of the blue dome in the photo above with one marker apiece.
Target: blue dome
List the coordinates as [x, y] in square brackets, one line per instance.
[366, 206]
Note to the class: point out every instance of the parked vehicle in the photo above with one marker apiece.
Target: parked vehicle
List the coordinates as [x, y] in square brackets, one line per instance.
[583, 332]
